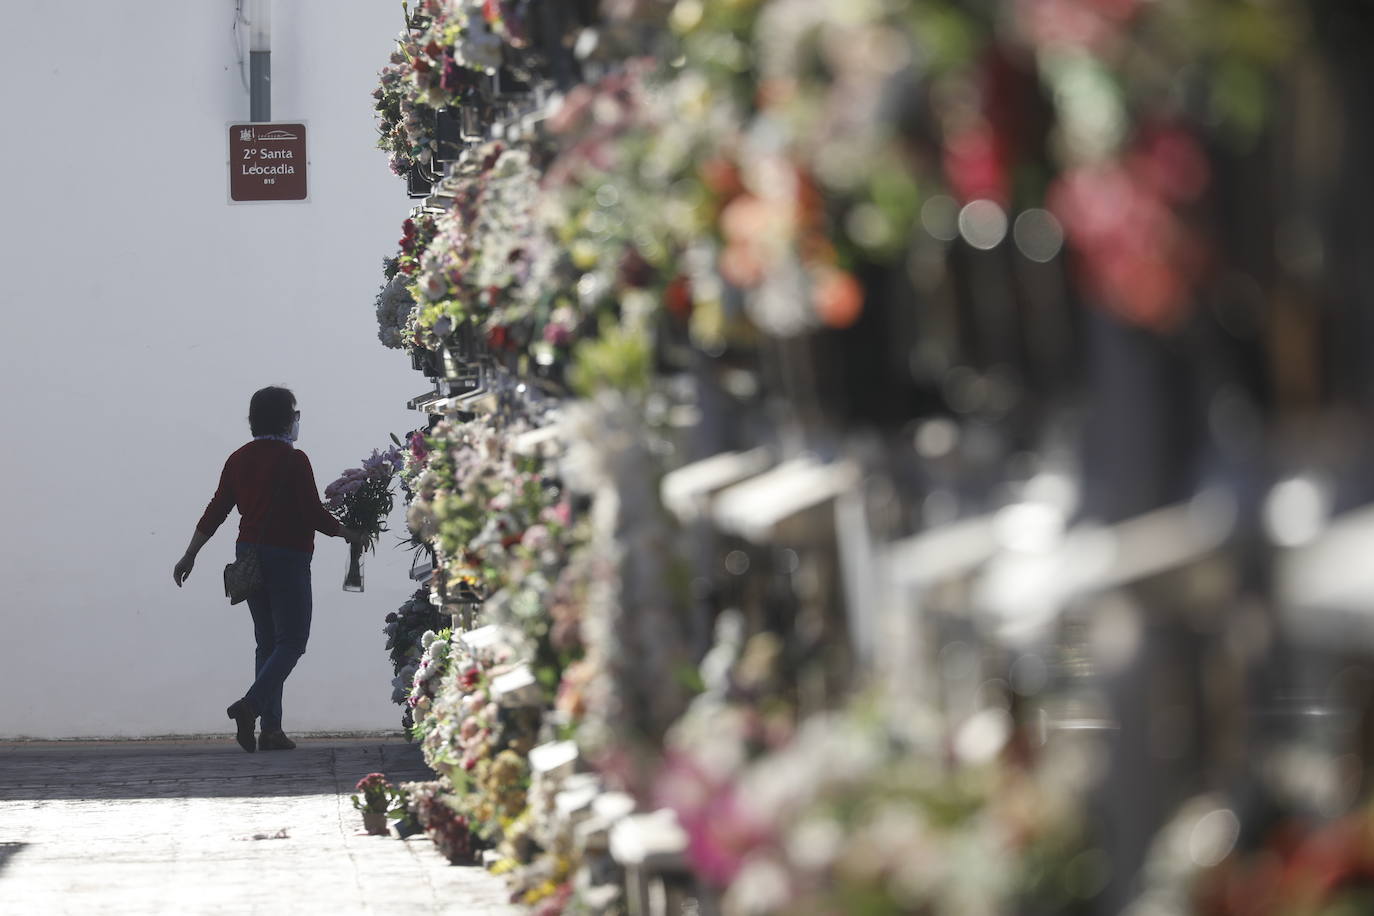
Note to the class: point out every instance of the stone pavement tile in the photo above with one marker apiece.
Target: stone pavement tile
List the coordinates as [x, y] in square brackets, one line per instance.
[200, 827]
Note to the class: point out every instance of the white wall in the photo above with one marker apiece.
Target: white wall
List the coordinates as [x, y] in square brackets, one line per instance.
[140, 312]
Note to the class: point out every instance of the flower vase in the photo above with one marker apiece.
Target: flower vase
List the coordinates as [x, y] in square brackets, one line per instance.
[353, 575]
[374, 822]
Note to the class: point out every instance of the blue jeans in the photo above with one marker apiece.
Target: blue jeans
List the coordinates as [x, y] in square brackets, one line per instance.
[281, 626]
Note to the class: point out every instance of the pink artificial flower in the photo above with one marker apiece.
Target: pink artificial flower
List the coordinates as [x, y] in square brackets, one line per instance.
[721, 832]
[418, 450]
[1076, 23]
[557, 334]
[536, 537]
[557, 514]
[1137, 256]
[976, 166]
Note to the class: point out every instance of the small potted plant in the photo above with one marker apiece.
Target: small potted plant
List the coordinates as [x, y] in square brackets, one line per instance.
[376, 795]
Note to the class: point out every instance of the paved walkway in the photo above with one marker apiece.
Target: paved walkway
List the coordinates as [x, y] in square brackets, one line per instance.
[188, 827]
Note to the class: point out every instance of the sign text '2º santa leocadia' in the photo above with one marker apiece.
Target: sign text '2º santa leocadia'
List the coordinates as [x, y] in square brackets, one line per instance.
[267, 162]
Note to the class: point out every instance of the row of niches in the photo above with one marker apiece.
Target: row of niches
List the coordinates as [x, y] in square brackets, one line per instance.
[874, 462]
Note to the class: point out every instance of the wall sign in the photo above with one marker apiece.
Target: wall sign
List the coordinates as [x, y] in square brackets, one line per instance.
[267, 162]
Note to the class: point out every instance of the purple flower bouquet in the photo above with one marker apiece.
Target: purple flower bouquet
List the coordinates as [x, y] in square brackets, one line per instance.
[362, 498]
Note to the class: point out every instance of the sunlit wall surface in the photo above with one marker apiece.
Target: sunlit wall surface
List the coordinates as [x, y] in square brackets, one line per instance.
[141, 310]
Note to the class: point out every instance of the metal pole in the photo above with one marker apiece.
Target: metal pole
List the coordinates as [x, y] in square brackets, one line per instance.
[260, 60]
[260, 85]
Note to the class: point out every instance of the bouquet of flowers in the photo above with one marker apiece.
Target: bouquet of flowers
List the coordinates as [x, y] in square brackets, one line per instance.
[361, 498]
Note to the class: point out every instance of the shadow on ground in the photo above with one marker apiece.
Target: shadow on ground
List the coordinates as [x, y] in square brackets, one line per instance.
[202, 769]
[8, 851]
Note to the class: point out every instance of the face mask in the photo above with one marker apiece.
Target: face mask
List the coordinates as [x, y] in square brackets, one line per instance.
[295, 429]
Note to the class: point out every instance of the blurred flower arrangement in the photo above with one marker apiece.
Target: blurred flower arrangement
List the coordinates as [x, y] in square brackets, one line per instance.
[477, 500]
[415, 458]
[1206, 861]
[400, 119]
[404, 629]
[439, 64]
[394, 307]
[477, 745]
[417, 232]
[429, 671]
[844, 818]
[480, 263]
[498, 527]
[867, 808]
[433, 806]
[769, 170]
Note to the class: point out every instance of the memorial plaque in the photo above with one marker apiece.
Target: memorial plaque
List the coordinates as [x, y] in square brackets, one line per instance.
[267, 162]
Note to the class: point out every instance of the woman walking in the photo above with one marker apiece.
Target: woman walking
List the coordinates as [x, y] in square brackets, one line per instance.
[273, 486]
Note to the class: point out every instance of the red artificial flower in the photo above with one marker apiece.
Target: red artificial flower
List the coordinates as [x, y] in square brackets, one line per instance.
[633, 271]
[1086, 23]
[721, 177]
[976, 166]
[837, 297]
[677, 297]
[1137, 256]
[1170, 161]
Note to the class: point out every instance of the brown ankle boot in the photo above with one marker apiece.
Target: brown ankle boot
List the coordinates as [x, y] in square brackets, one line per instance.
[275, 741]
[244, 715]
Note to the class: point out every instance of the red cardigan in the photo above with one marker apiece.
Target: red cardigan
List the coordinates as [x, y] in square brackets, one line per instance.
[249, 481]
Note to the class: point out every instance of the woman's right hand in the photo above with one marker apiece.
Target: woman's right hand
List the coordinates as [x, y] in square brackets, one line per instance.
[353, 536]
[182, 570]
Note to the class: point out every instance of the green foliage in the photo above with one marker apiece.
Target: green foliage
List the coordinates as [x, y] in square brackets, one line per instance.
[618, 360]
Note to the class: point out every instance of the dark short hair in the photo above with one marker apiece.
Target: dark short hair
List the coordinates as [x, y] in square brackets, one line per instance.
[271, 411]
